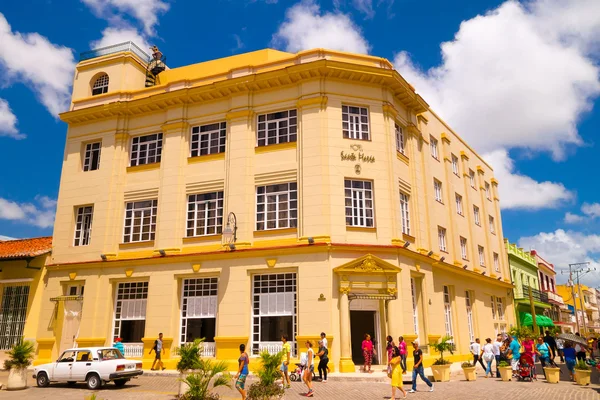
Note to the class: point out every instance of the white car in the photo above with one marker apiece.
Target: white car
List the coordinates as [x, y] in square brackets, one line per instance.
[93, 365]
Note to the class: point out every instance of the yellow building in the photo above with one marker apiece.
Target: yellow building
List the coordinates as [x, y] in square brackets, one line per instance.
[583, 299]
[269, 193]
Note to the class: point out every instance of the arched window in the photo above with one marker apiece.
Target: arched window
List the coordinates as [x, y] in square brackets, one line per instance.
[100, 85]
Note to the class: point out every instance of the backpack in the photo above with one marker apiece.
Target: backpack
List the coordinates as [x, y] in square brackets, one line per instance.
[155, 345]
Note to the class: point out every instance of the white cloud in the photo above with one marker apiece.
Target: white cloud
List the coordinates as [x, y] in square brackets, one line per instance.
[589, 211]
[8, 122]
[306, 27]
[571, 218]
[112, 35]
[2, 238]
[567, 247]
[43, 66]
[145, 11]
[40, 214]
[519, 191]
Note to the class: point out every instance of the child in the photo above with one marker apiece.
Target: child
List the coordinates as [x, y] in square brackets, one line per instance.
[570, 355]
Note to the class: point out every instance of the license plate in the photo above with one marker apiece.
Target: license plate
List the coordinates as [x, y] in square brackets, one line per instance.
[131, 367]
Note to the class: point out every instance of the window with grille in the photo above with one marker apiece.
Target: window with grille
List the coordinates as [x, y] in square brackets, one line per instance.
[91, 159]
[496, 262]
[415, 309]
[83, 225]
[448, 311]
[205, 214]
[488, 193]
[274, 304]
[404, 212]
[399, 139]
[208, 139]
[130, 311]
[472, 178]
[437, 190]
[500, 307]
[476, 215]
[455, 165]
[355, 122]
[493, 307]
[13, 313]
[481, 256]
[433, 144]
[442, 238]
[277, 206]
[359, 203]
[463, 248]
[492, 225]
[140, 221]
[100, 85]
[469, 316]
[199, 309]
[277, 127]
[459, 207]
[146, 149]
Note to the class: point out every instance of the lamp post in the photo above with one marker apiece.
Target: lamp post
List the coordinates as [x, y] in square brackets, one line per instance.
[229, 235]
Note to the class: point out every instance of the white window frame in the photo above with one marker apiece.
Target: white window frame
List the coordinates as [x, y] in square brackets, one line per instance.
[448, 313]
[492, 225]
[481, 252]
[400, 144]
[463, 248]
[476, 215]
[100, 85]
[204, 214]
[405, 212]
[75, 290]
[455, 170]
[91, 157]
[13, 314]
[277, 127]
[359, 203]
[355, 122]
[472, 178]
[199, 295]
[145, 149]
[277, 206]
[433, 145]
[437, 190]
[488, 193]
[208, 139]
[459, 207]
[500, 307]
[415, 306]
[133, 294]
[442, 238]
[493, 298]
[496, 262]
[83, 225]
[469, 309]
[140, 211]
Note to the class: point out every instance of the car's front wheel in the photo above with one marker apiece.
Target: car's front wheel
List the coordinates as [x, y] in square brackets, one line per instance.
[93, 382]
[42, 379]
[121, 382]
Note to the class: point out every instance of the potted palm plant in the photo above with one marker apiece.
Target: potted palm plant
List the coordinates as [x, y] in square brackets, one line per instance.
[189, 359]
[505, 371]
[19, 358]
[469, 371]
[441, 367]
[266, 388]
[582, 373]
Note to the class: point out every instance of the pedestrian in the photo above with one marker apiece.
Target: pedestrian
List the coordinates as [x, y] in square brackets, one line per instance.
[119, 346]
[367, 348]
[542, 349]
[396, 372]
[560, 345]
[528, 346]
[594, 348]
[418, 369]
[488, 356]
[323, 361]
[580, 350]
[310, 369]
[476, 351]
[403, 353]
[287, 349]
[497, 346]
[324, 340]
[389, 347]
[158, 349]
[570, 358]
[514, 352]
[549, 340]
[242, 374]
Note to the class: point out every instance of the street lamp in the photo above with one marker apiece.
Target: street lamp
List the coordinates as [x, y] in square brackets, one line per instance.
[229, 235]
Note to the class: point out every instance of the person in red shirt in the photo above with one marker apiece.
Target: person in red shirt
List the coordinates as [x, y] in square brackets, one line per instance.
[367, 348]
[403, 353]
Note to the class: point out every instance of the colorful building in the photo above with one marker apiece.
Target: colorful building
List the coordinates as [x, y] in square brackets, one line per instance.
[583, 299]
[547, 276]
[263, 194]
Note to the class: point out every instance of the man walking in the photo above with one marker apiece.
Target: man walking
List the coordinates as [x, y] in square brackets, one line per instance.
[287, 349]
[158, 349]
[549, 340]
[560, 346]
[514, 350]
[497, 344]
[476, 351]
[418, 369]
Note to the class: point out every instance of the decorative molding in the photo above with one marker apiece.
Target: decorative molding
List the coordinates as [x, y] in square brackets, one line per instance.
[422, 118]
[480, 170]
[445, 138]
[268, 178]
[204, 187]
[72, 275]
[271, 262]
[144, 167]
[494, 181]
[175, 127]
[345, 290]
[240, 114]
[367, 264]
[196, 267]
[121, 136]
[464, 155]
[275, 147]
[143, 194]
[129, 272]
[206, 158]
[402, 157]
[320, 101]
[390, 110]
[404, 186]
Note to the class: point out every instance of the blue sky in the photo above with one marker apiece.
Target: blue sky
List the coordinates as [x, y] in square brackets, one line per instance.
[519, 80]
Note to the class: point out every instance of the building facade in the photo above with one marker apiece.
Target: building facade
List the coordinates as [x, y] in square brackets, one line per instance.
[547, 276]
[582, 303]
[269, 193]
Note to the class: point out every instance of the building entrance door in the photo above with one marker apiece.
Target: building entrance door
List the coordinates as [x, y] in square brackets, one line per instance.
[361, 323]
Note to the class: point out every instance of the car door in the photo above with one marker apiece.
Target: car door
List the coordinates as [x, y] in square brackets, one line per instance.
[83, 363]
[63, 366]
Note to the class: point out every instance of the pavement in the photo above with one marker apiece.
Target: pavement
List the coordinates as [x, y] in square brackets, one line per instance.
[164, 386]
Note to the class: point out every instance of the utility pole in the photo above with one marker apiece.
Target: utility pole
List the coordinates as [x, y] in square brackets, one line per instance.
[578, 269]
[533, 316]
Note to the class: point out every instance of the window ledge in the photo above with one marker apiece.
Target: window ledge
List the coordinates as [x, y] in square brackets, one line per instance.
[408, 238]
[361, 229]
[275, 232]
[439, 201]
[143, 167]
[134, 245]
[206, 158]
[204, 238]
[274, 147]
[402, 157]
[444, 251]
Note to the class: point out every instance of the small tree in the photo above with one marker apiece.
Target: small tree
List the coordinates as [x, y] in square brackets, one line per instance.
[520, 332]
[189, 358]
[20, 356]
[199, 380]
[266, 388]
[445, 344]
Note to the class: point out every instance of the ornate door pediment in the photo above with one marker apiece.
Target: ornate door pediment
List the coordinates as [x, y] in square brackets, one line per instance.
[368, 274]
[367, 264]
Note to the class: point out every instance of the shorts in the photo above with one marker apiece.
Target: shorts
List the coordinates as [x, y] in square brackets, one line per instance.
[570, 364]
[284, 368]
[240, 383]
[157, 356]
[514, 364]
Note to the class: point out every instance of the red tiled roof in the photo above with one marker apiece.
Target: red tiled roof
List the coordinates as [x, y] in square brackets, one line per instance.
[21, 248]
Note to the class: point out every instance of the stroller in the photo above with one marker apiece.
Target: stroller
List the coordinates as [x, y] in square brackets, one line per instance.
[526, 368]
[296, 375]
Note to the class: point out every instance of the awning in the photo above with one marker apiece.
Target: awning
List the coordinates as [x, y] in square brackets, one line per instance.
[541, 320]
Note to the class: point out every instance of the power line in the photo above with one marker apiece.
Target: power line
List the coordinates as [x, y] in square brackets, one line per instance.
[578, 269]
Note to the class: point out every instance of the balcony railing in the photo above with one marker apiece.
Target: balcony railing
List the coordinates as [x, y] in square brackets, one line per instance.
[134, 350]
[208, 350]
[274, 347]
[523, 293]
[116, 48]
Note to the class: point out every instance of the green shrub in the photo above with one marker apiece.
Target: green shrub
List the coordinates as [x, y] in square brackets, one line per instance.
[260, 392]
[520, 332]
[20, 356]
[198, 382]
[266, 388]
[503, 364]
[189, 355]
[467, 364]
[443, 345]
[582, 366]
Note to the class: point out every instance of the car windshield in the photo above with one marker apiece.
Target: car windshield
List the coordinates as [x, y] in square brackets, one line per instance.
[110, 354]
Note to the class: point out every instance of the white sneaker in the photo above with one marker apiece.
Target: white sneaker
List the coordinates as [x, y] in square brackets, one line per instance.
[431, 388]
[412, 391]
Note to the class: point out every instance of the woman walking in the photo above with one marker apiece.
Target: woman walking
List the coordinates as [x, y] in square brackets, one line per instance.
[488, 357]
[310, 368]
[367, 348]
[240, 377]
[396, 372]
[390, 348]
[403, 353]
[323, 361]
[543, 350]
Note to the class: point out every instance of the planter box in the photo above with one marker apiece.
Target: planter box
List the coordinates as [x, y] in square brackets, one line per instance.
[582, 377]
[470, 373]
[17, 379]
[505, 373]
[441, 373]
[552, 374]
